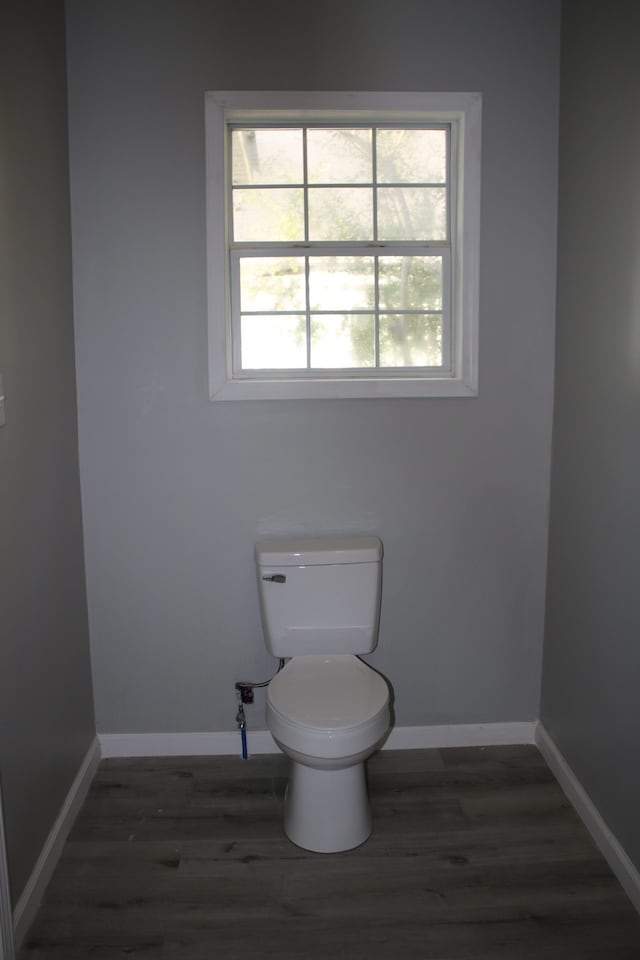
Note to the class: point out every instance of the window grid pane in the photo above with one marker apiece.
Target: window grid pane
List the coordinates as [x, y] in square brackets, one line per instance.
[277, 332]
[272, 331]
[267, 207]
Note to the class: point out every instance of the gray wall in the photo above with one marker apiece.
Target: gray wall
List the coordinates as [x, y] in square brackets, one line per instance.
[177, 489]
[590, 701]
[46, 713]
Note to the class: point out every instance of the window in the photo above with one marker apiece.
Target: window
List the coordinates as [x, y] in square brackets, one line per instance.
[343, 236]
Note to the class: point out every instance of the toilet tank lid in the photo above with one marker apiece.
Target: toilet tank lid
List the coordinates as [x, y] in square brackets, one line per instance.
[317, 551]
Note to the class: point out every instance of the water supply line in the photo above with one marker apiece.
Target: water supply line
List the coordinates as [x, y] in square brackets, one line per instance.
[242, 724]
[244, 692]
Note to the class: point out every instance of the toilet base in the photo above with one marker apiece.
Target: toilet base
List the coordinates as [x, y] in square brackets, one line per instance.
[327, 811]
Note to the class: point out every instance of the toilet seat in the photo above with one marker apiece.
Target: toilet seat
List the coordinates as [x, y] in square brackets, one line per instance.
[328, 705]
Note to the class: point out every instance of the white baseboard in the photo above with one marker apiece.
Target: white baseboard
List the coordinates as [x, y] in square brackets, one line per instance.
[460, 735]
[606, 842]
[26, 907]
[261, 741]
[6, 917]
[226, 743]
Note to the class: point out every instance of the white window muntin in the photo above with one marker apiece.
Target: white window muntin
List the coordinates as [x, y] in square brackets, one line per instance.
[463, 112]
[373, 251]
[372, 247]
[305, 185]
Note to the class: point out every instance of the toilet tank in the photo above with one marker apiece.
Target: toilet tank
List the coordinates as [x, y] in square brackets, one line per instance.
[320, 595]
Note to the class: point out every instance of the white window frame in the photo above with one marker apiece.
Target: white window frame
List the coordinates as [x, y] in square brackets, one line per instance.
[463, 112]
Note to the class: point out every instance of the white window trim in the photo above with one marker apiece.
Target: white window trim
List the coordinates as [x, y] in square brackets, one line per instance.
[463, 108]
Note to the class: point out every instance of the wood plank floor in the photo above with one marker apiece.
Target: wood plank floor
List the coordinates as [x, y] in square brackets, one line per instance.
[475, 854]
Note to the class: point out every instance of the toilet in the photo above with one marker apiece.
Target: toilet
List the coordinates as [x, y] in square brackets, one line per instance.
[327, 710]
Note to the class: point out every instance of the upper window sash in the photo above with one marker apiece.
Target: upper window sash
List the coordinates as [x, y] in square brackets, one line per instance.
[303, 182]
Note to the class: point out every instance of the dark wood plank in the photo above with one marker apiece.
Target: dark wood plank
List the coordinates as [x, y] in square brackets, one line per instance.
[476, 853]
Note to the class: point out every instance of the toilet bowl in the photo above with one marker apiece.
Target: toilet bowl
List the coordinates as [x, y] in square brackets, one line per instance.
[327, 714]
[326, 709]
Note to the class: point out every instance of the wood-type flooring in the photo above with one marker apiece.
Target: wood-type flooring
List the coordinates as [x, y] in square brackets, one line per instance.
[475, 854]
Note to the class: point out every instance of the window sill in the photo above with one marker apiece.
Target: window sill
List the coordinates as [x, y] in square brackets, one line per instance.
[341, 389]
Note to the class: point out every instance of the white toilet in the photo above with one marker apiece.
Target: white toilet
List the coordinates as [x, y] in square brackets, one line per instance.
[326, 709]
